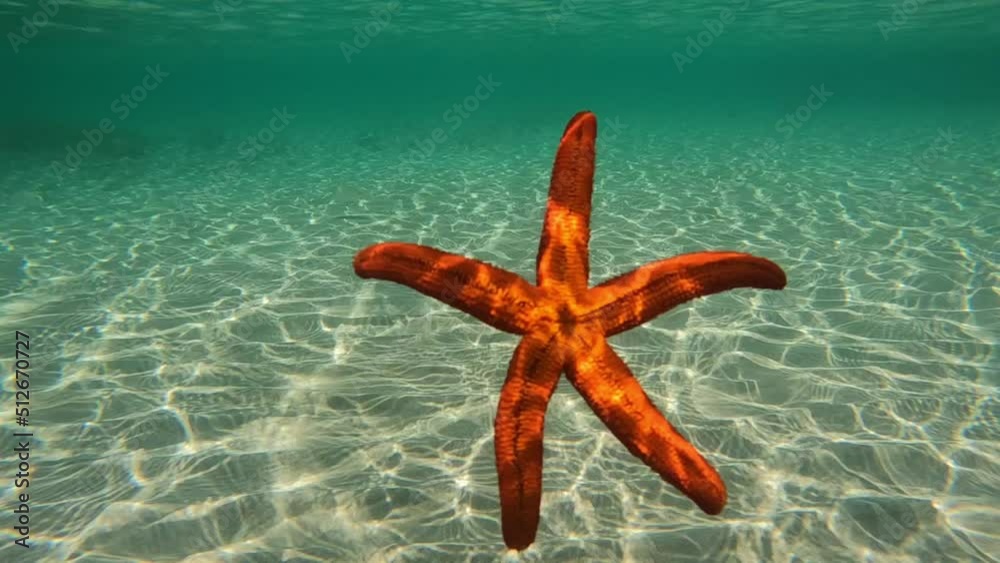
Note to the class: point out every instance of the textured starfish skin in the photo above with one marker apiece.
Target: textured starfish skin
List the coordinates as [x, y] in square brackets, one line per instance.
[564, 326]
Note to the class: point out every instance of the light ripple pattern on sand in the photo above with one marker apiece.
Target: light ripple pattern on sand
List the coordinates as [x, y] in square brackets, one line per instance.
[218, 385]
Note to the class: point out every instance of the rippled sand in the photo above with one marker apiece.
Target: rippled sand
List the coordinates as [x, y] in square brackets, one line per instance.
[214, 384]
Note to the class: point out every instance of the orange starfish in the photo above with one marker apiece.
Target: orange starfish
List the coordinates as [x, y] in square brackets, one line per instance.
[565, 325]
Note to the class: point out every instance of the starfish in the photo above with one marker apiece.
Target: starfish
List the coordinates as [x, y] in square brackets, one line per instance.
[564, 325]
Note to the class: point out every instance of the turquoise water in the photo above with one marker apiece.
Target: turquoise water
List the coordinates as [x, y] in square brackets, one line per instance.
[211, 382]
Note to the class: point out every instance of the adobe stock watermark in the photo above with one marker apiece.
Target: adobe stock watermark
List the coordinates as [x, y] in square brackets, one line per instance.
[787, 126]
[47, 9]
[704, 39]
[223, 7]
[258, 142]
[940, 145]
[122, 106]
[901, 12]
[565, 9]
[614, 128]
[363, 35]
[456, 116]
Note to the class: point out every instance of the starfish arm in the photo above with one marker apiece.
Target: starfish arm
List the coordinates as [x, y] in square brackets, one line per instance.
[495, 296]
[563, 255]
[643, 294]
[613, 393]
[531, 380]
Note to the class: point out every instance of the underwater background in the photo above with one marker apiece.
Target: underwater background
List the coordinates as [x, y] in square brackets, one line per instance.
[184, 185]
